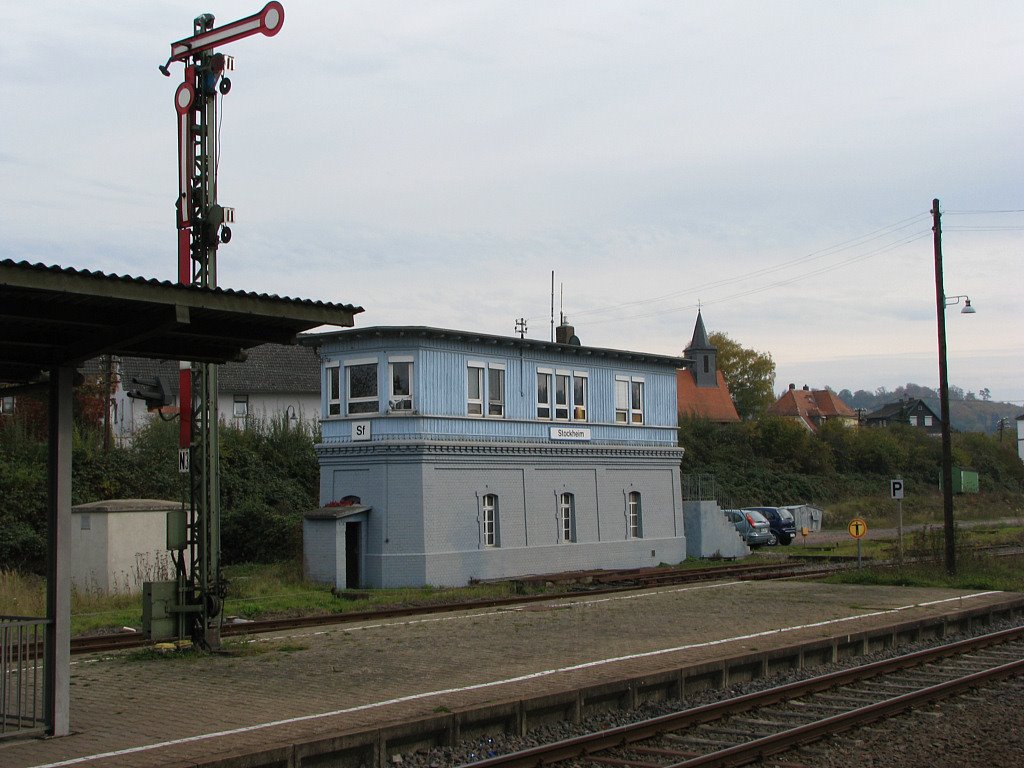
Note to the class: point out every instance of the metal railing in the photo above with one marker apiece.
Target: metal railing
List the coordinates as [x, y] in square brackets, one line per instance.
[699, 487]
[21, 676]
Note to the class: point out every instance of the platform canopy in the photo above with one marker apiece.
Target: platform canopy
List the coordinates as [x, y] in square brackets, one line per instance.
[59, 317]
[52, 319]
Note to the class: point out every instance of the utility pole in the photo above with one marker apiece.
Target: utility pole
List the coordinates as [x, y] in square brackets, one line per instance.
[947, 442]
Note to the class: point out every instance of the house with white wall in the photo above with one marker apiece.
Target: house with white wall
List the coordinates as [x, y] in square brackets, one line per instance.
[449, 456]
[274, 381]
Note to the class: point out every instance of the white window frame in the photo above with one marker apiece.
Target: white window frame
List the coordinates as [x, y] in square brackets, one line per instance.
[495, 405]
[567, 408]
[545, 405]
[928, 421]
[240, 406]
[562, 399]
[580, 409]
[630, 410]
[400, 403]
[486, 375]
[567, 517]
[475, 405]
[489, 519]
[332, 386]
[634, 515]
[373, 399]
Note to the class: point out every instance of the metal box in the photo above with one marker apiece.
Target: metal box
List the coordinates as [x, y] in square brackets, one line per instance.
[159, 619]
[177, 529]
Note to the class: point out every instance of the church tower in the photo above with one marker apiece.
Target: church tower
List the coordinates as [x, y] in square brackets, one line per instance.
[704, 356]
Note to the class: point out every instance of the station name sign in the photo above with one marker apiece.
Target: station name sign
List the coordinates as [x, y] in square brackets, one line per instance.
[570, 433]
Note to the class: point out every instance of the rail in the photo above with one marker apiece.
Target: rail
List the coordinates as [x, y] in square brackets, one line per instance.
[699, 487]
[767, 707]
[21, 677]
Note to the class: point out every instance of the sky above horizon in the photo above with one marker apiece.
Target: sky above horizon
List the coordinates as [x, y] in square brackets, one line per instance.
[434, 163]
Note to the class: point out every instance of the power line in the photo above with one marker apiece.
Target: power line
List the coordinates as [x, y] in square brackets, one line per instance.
[823, 253]
[968, 228]
[972, 213]
[776, 284]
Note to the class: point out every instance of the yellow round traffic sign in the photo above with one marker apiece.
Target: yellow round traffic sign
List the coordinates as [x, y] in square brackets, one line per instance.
[857, 527]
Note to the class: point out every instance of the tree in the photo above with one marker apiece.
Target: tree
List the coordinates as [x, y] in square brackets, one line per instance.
[750, 375]
[986, 394]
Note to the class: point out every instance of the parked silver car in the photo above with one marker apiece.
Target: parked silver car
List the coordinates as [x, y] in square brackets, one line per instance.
[752, 526]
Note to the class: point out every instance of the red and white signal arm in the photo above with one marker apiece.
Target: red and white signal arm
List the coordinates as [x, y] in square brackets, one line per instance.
[267, 22]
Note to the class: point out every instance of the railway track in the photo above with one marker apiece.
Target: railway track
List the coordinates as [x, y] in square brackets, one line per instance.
[755, 726]
[570, 584]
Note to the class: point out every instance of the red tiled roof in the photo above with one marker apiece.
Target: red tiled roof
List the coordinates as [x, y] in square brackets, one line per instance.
[712, 403]
[809, 405]
[830, 405]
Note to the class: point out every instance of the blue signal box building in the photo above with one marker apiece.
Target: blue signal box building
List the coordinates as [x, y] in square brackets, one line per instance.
[450, 456]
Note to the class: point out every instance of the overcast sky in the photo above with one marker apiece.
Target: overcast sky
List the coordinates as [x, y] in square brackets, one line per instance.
[434, 162]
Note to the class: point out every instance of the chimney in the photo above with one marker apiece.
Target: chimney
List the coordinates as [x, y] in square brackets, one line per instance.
[792, 385]
[806, 388]
[565, 333]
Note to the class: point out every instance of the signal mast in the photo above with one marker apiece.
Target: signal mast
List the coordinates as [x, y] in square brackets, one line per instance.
[203, 224]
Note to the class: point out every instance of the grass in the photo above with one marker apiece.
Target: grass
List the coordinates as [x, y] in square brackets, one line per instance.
[278, 590]
[922, 509]
[254, 592]
[972, 572]
[924, 562]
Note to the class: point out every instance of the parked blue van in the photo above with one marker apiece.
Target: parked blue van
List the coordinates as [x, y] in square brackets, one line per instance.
[781, 522]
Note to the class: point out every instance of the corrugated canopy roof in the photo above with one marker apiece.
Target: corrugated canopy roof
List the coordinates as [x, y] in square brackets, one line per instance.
[56, 316]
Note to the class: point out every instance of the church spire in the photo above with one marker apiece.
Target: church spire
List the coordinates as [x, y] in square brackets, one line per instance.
[704, 356]
[700, 342]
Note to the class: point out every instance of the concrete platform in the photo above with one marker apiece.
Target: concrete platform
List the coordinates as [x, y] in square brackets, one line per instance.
[335, 695]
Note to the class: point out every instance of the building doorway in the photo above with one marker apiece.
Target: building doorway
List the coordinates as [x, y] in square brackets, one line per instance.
[353, 554]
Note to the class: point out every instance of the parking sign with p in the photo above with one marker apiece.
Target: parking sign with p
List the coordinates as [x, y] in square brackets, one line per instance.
[896, 488]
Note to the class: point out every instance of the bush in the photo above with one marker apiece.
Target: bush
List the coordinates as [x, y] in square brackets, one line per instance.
[269, 477]
[778, 461]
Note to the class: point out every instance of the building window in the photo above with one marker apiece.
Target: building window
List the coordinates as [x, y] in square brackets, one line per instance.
[475, 391]
[489, 507]
[567, 516]
[362, 388]
[927, 421]
[241, 406]
[579, 396]
[400, 378]
[495, 391]
[333, 390]
[629, 400]
[485, 389]
[634, 515]
[707, 366]
[561, 395]
[543, 394]
[6, 405]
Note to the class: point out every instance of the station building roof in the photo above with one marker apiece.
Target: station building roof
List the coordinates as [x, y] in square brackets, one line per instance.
[60, 316]
[413, 332]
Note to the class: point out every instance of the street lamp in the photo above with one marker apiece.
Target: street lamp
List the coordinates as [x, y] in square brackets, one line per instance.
[941, 302]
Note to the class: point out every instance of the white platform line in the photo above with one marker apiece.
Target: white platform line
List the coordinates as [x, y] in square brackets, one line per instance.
[494, 683]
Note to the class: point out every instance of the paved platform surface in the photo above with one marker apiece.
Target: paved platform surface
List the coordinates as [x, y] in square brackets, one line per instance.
[131, 710]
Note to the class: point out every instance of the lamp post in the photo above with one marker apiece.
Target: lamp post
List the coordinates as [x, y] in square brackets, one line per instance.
[941, 302]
